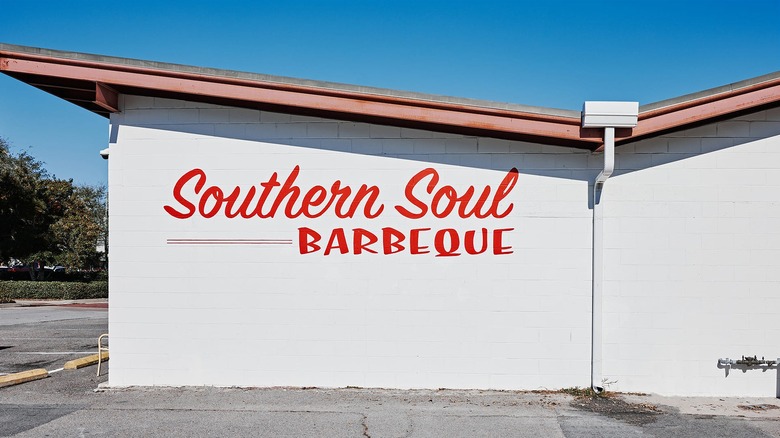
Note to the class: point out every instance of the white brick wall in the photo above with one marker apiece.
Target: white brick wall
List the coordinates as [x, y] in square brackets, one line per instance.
[691, 262]
[270, 316]
[691, 257]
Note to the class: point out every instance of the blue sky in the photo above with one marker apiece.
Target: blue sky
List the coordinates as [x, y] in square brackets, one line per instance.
[545, 53]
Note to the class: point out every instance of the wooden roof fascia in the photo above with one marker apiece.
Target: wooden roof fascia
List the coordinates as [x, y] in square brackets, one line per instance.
[697, 111]
[432, 101]
[65, 75]
[710, 107]
[503, 123]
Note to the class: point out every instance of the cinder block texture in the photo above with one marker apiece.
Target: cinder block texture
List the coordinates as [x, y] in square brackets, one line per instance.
[273, 316]
[205, 296]
[690, 256]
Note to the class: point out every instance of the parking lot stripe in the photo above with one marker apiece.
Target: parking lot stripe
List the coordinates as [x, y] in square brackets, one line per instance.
[51, 352]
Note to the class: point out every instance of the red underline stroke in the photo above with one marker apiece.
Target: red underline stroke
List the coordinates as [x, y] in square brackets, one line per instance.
[229, 241]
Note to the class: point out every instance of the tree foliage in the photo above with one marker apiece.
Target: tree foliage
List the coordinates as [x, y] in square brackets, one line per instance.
[47, 219]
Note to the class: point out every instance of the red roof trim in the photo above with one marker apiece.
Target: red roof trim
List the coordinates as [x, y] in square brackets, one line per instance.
[706, 108]
[544, 128]
[55, 74]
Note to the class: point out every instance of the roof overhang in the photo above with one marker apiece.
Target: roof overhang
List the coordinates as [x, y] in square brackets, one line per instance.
[94, 83]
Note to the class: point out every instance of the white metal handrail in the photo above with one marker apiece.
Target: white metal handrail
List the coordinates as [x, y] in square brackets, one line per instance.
[101, 349]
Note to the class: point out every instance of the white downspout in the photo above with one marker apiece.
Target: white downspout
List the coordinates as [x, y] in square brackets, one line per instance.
[598, 258]
[607, 115]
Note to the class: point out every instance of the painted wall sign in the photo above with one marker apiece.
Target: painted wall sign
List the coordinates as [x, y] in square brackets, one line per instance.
[425, 195]
[303, 252]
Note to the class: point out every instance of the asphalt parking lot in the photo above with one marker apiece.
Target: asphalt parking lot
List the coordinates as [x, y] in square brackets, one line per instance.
[67, 403]
[48, 336]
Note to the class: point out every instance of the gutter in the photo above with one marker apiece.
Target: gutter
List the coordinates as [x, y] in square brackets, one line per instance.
[606, 115]
[598, 259]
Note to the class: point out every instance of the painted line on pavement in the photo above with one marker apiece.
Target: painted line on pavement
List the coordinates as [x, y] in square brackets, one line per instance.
[52, 352]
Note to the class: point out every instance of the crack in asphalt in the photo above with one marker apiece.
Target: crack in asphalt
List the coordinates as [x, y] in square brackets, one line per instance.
[365, 426]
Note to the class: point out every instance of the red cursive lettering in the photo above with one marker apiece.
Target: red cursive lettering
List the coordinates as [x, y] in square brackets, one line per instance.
[446, 199]
[275, 197]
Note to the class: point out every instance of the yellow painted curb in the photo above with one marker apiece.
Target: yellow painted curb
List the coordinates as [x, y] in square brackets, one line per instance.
[85, 361]
[24, 376]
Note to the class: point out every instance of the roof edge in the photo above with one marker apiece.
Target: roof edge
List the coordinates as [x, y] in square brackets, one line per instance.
[325, 86]
[93, 82]
[710, 93]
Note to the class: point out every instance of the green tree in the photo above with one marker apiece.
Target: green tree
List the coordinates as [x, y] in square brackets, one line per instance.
[76, 234]
[23, 209]
[47, 219]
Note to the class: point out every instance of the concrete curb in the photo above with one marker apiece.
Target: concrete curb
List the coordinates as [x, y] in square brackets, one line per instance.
[47, 303]
[85, 361]
[24, 376]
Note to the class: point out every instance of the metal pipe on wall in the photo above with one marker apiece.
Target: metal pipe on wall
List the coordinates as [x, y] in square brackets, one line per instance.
[598, 259]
